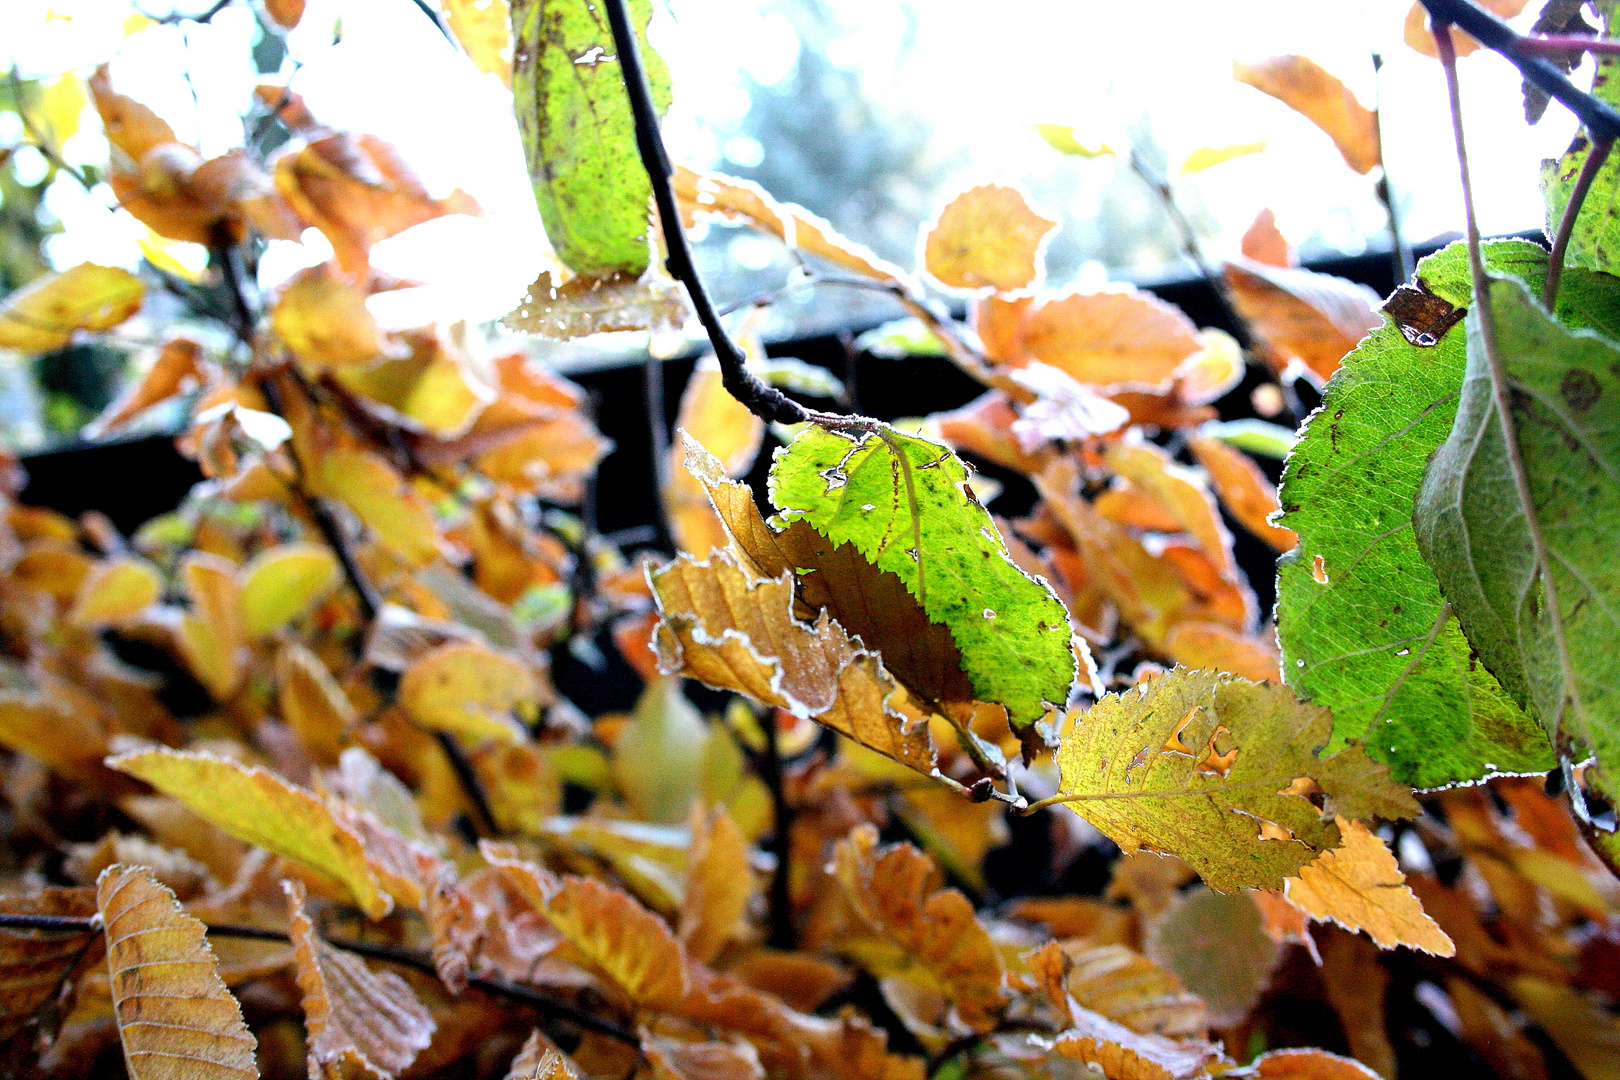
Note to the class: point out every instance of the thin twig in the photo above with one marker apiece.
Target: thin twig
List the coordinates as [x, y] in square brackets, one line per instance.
[1560, 45]
[1501, 393]
[1601, 120]
[388, 954]
[1597, 153]
[764, 401]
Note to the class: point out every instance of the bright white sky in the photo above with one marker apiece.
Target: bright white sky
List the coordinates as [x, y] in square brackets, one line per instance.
[980, 72]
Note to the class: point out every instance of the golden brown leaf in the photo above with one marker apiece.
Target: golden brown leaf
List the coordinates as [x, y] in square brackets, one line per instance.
[356, 190]
[34, 963]
[717, 621]
[1419, 36]
[115, 591]
[1359, 886]
[384, 501]
[1122, 1054]
[1120, 338]
[1306, 87]
[1305, 316]
[313, 704]
[260, 807]
[892, 892]
[45, 314]
[482, 28]
[1584, 1032]
[1120, 984]
[988, 236]
[211, 636]
[541, 1060]
[68, 739]
[1181, 495]
[1356, 983]
[1310, 1065]
[719, 884]
[177, 364]
[725, 428]
[176, 1019]
[131, 127]
[612, 933]
[1217, 647]
[359, 1021]
[469, 689]
[321, 316]
[1243, 490]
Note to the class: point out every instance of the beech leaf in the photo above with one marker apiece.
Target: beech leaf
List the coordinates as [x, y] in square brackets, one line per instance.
[359, 1021]
[1243, 489]
[1545, 629]
[988, 236]
[33, 963]
[719, 884]
[284, 582]
[903, 502]
[1360, 887]
[1303, 315]
[66, 738]
[45, 314]
[1306, 87]
[1203, 766]
[384, 501]
[254, 804]
[578, 133]
[541, 1060]
[175, 1017]
[470, 689]
[1296, 1064]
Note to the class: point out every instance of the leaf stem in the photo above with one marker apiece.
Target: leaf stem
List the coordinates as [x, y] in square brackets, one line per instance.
[1559, 45]
[764, 401]
[1597, 153]
[1400, 254]
[1500, 392]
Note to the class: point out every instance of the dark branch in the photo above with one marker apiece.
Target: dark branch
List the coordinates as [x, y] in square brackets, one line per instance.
[766, 402]
[1601, 120]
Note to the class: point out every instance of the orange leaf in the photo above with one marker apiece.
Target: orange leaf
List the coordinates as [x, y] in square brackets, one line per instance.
[1179, 492]
[673, 1060]
[284, 13]
[1306, 87]
[1264, 243]
[719, 884]
[1219, 647]
[131, 127]
[988, 236]
[1310, 1065]
[1419, 36]
[1359, 886]
[359, 1021]
[613, 933]
[1121, 1054]
[173, 1012]
[1121, 337]
[1314, 318]
[541, 1060]
[1243, 490]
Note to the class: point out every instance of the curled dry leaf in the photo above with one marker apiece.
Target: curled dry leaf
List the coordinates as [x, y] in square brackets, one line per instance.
[541, 1060]
[1119, 1053]
[34, 963]
[174, 1015]
[1120, 984]
[585, 305]
[471, 690]
[1306, 87]
[177, 364]
[610, 931]
[892, 892]
[359, 1021]
[673, 1060]
[1360, 886]
[258, 806]
[1313, 318]
[45, 314]
[988, 236]
[1176, 765]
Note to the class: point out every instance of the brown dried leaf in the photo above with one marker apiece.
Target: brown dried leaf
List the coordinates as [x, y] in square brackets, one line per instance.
[988, 236]
[672, 1060]
[611, 931]
[34, 963]
[1360, 886]
[719, 884]
[1215, 943]
[541, 1060]
[1587, 1034]
[586, 305]
[174, 1014]
[45, 314]
[1243, 490]
[1264, 243]
[1306, 87]
[1314, 318]
[1120, 984]
[359, 1021]
[177, 364]
[260, 807]
[1121, 1054]
[471, 690]
[730, 433]
[891, 891]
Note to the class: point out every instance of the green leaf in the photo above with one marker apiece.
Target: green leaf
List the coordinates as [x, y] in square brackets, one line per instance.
[1195, 764]
[1357, 609]
[578, 133]
[904, 503]
[1254, 436]
[1548, 632]
[1595, 241]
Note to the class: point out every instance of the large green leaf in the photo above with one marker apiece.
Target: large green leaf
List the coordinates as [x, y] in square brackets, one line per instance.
[1198, 764]
[904, 503]
[1595, 241]
[1357, 608]
[1550, 633]
[578, 133]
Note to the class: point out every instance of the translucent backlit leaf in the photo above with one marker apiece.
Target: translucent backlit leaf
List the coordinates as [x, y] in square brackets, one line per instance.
[1305, 316]
[1305, 86]
[382, 499]
[1360, 887]
[987, 237]
[284, 582]
[719, 884]
[45, 314]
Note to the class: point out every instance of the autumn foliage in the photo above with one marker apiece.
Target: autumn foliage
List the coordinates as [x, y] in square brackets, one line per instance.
[966, 795]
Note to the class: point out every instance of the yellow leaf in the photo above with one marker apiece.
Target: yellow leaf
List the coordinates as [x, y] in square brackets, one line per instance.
[33, 963]
[1360, 887]
[67, 739]
[182, 258]
[719, 884]
[282, 583]
[256, 805]
[115, 591]
[469, 689]
[358, 1020]
[380, 497]
[174, 1015]
[483, 27]
[61, 106]
[211, 636]
[1062, 137]
[45, 314]
[613, 933]
[988, 236]
[175, 366]
[1206, 157]
[313, 704]
[321, 316]
[1306, 87]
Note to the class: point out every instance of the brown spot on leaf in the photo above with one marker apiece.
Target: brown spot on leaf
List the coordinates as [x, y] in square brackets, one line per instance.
[1580, 389]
